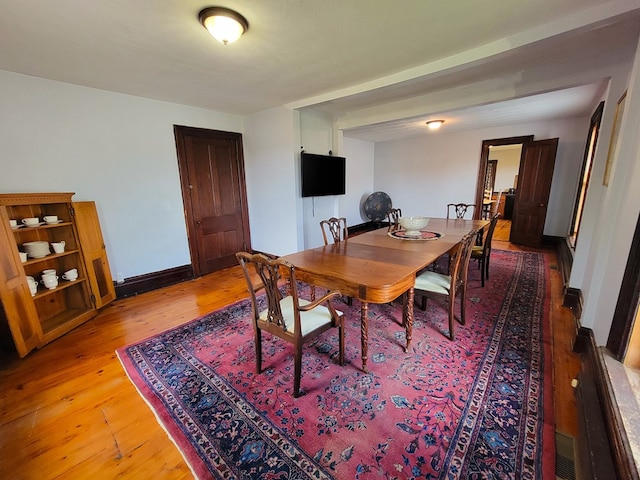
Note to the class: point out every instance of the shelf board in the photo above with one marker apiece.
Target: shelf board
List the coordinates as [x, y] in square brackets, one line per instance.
[60, 324]
[62, 284]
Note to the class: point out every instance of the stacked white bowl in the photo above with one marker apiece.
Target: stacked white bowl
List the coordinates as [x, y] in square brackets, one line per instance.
[36, 249]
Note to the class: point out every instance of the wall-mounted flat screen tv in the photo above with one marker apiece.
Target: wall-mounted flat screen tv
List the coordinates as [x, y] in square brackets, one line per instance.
[322, 175]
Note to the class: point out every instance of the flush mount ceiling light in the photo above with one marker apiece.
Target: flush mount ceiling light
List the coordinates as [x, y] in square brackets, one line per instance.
[434, 124]
[223, 24]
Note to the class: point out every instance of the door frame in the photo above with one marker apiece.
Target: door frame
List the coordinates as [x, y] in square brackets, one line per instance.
[484, 160]
[180, 132]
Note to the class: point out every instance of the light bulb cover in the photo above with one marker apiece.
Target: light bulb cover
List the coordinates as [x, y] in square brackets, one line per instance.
[223, 24]
[435, 124]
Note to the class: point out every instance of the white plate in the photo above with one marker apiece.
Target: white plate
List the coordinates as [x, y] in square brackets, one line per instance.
[54, 223]
[36, 225]
[17, 227]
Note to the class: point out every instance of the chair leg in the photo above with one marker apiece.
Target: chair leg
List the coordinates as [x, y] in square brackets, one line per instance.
[297, 369]
[452, 316]
[486, 266]
[341, 333]
[257, 340]
[463, 294]
[423, 303]
[481, 263]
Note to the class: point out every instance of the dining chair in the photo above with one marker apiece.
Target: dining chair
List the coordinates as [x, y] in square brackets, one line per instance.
[496, 206]
[482, 253]
[486, 203]
[334, 228]
[285, 315]
[460, 209]
[393, 216]
[437, 285]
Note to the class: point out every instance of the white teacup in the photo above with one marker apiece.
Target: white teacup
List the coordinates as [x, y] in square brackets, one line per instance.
[49, 271]
[13, 223]
[31, 221]
[58, 247]
[33, 285]
[51, 219]
[70, 275]
[50, 281]
[23, 256]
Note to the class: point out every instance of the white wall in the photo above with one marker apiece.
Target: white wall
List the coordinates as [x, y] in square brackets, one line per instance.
[614, 210]
[115, 149]
[423, 174]
[317, 136]
[272, 175]
[360, 158]
[507, 167]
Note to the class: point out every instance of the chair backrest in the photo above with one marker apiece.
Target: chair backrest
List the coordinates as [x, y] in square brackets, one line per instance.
[460, 261]
[496, 206]
[486, 244]
[460, 209]
[393, 215]
[336, 227]
[270, 272]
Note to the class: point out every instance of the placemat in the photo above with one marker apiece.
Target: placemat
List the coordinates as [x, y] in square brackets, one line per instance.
[424, 235]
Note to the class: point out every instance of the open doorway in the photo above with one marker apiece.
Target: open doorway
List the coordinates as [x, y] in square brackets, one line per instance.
[498, 174]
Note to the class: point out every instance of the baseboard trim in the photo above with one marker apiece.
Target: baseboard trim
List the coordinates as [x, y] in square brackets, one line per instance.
[573, 299]
[595, 458]
[565, 258]
[152, 281]
[365, 227]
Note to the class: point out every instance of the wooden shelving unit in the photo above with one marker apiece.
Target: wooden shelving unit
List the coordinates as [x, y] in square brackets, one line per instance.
[35, 320]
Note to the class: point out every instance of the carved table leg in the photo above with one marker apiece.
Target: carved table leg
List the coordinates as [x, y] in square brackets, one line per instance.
[407, 315]
[364, 332]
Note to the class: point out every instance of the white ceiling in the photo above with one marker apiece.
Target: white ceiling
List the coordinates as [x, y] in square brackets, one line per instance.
[380, 68]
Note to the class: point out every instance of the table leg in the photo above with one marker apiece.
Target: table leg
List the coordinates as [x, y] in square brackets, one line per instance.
[407, 315]
[364, 333]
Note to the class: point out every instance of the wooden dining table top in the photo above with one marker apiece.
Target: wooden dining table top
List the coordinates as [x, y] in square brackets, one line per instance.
[374, 266]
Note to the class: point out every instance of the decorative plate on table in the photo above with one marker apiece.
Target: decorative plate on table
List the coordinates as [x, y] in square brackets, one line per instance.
[424, 235]
[376, 206]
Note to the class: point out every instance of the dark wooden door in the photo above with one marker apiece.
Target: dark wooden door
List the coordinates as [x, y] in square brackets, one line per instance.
[214, 194]
[532, 195]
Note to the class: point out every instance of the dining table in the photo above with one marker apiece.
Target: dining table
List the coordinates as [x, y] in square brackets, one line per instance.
[380, 265]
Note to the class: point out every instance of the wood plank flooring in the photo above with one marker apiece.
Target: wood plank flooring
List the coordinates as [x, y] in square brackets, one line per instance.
[69, 411]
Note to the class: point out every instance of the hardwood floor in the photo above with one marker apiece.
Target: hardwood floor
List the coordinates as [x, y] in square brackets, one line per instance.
[69, 411]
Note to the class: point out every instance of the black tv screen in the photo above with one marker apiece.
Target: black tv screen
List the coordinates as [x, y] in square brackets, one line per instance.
[322, 175]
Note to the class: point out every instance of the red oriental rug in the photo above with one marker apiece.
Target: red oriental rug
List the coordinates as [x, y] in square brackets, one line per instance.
[479, 407]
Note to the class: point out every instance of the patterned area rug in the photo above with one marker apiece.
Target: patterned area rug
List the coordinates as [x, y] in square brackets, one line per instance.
[479, 407]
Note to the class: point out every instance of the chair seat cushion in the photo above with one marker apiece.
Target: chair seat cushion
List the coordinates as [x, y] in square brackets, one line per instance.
[433, 282]
[309, 321]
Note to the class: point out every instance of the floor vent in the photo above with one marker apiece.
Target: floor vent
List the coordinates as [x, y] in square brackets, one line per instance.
[565, 459]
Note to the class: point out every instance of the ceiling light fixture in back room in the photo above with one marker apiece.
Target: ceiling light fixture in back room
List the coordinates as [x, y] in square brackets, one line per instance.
[434, 124]
[224, 25]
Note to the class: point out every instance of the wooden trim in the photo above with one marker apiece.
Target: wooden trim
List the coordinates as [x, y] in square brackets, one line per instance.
[365, 227]
[565, 259]
[603, 448]
[628, 299]
[574, 300]
[152, 281]
[594, 459]
[482, 168]
[8, 199]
